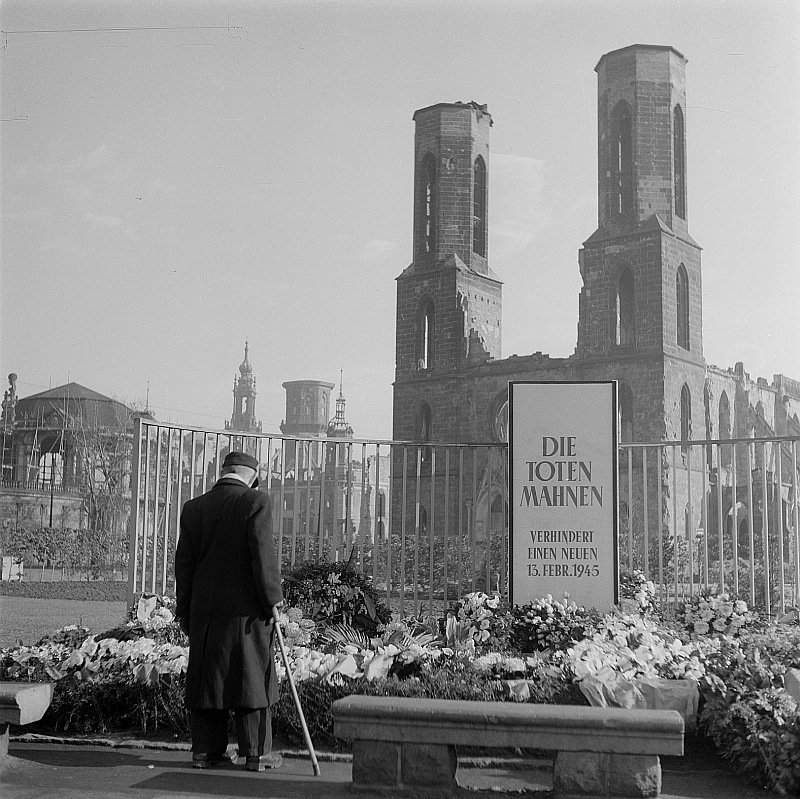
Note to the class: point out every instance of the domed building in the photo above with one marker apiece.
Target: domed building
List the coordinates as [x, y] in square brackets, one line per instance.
[65, 459]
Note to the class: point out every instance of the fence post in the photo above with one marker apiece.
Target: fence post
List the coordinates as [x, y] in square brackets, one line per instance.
[133, 518]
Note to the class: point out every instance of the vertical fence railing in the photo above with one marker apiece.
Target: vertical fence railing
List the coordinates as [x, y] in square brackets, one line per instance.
[429, 522]
[718, 515]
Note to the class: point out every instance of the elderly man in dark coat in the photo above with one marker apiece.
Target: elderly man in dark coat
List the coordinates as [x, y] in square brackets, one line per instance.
[227, 582]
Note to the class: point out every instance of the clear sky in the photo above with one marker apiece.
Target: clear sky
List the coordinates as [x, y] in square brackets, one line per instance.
[178, 177]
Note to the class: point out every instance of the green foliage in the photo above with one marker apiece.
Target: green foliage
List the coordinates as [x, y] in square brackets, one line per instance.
[100, 591]
[135, 681]
[71, 636]
[335, 593]
[449, 679]
[112, 705]
[761, 735]
[94, 549]
[747, 715]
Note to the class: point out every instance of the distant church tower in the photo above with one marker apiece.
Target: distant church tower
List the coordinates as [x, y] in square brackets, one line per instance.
[243, 418]
[640, 308]
[307, 408]
[448, 300]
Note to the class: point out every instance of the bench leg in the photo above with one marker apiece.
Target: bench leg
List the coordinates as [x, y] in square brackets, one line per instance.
[5, 734]
[394, 764]
[376, 763]
[602, 774]
[429, 765]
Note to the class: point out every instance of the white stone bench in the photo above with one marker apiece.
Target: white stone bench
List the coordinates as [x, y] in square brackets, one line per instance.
[21, 703]
[411, 743]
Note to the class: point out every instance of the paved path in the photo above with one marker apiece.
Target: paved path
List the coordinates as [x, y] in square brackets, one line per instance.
[50, 771]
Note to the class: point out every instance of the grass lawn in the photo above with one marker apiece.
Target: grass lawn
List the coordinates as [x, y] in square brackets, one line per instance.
[28, 620]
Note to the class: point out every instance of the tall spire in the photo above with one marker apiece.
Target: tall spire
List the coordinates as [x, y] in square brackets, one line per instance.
[339, 428]
[244, 398]
[245, 368]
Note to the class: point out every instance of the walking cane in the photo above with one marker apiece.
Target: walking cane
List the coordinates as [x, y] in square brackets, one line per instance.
[306, 734]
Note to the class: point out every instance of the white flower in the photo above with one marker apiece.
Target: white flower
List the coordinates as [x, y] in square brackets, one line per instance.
[701, 628]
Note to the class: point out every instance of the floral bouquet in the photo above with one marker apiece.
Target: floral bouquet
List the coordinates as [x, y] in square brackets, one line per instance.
[297, 629]
[548, 624]
[335, 593]
[709, 613]
[630, 663]
[633, 647]
[637, 593]
[477, 623]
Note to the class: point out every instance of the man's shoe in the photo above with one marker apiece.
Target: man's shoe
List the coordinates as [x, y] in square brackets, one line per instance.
[201, 760]
[270, 760]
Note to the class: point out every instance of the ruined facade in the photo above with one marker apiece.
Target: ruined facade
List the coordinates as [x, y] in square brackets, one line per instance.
[640, 306]
[66, 458]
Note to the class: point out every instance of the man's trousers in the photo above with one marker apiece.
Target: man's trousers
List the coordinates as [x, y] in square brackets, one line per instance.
[253, 731]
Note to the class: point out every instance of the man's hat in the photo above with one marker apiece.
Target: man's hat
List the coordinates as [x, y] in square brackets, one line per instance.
[240, 459]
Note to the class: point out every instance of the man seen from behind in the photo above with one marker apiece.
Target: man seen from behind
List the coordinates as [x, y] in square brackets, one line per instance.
[227, 582]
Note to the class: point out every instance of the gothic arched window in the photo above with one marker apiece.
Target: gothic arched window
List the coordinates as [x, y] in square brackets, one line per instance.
[724, 417]
[682, 305]
[679, 162]
[725, 428]
[623, 309]
[428, 204]
[479, 207]
[621, 160]
[423, 432]
[686, 414]
[426, 323]
[625, 411]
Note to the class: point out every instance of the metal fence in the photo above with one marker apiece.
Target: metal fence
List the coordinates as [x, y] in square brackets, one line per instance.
[429, 522]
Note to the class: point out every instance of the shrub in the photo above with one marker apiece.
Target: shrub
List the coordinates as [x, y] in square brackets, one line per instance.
[107, 591]
[750, 719]
[109, 704]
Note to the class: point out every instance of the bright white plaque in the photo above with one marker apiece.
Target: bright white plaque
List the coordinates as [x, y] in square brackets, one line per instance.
[563, 492]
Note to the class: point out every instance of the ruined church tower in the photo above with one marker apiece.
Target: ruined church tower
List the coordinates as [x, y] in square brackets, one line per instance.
[448, 300]
[640, 308]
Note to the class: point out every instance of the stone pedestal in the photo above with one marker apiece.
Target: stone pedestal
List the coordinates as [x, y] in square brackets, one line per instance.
[21, 703]
[602, 774]
[398, 765]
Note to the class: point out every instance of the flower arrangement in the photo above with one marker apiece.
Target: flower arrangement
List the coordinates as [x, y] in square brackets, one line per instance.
[335, 593]
[633, 647]
[133, 675]
[505, 667]
[478, 623]
[714, 614]
[71, 635]
[152, 612]
[637, 593]
[548, 624]
[297, 629]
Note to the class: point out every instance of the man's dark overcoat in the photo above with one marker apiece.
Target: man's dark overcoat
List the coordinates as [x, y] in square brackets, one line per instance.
[227, 580]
